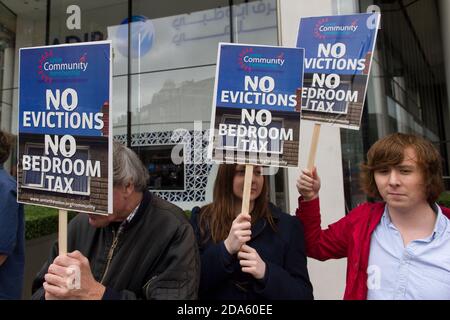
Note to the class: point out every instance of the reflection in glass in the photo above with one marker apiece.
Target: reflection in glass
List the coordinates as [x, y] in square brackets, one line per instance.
[164, 174]
[165, 101]
[255, 22]
[119, 105]
[176, 40]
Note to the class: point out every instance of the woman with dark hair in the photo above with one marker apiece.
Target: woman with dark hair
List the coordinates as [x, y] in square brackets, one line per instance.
[397, 248]
[260, 255]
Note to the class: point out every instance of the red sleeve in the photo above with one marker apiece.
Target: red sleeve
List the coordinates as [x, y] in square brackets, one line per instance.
[331, 243]
[446, 211]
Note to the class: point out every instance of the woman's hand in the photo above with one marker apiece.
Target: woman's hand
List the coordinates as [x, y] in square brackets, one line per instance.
[239, 234]
[308, 184]
[251, 262]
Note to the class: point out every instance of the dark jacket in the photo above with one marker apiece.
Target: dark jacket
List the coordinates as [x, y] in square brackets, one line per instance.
[155, 257]
[283, 252]
[349, 238]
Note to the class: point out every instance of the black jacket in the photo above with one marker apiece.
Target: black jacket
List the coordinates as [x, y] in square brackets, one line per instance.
[155, 256]
[282, 250]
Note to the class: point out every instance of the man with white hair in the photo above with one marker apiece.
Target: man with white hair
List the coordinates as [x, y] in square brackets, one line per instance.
[146, 249]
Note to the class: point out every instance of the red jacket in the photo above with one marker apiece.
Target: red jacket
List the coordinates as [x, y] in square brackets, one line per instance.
[347, 238]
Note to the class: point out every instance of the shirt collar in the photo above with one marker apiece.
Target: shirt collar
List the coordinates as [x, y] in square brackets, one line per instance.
[386, 219]
[130, 217]
[439, 226]
[133, 213]
[441, 221]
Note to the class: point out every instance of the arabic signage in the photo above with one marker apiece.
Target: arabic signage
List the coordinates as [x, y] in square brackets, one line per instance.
[190, 39]
[248, 17]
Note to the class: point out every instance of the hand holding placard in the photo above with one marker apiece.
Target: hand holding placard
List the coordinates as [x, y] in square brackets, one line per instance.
[308, 184]
[251, 262]
[239, 233]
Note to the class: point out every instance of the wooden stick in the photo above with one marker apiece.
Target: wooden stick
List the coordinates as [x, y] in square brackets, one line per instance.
[247, 188]
[62, 232]
[313, 147]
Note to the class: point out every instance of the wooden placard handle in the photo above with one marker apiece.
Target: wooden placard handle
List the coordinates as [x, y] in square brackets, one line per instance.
[247, 188]
[313, 147]
[62, 232]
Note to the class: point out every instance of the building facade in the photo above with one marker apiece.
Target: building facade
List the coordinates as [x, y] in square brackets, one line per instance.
[163, 78]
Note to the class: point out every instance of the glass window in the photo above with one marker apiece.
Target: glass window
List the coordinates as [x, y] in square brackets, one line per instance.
[119, 105]
[255, 22]
[164, 174]
[7, 40]
[84, 20]
[165, 101]
[177, 34]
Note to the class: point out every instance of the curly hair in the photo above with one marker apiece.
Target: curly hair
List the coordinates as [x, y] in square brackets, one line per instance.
[5, 146]
[389, 151]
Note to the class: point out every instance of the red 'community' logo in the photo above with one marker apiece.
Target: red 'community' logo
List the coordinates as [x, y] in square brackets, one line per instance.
[44, 77]
[241, 56]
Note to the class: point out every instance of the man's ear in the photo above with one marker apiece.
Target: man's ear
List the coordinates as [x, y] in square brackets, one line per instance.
[129, 188]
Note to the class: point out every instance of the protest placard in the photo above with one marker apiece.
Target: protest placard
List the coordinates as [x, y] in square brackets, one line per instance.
[65, 135]
[255, 116]
[338, 55]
